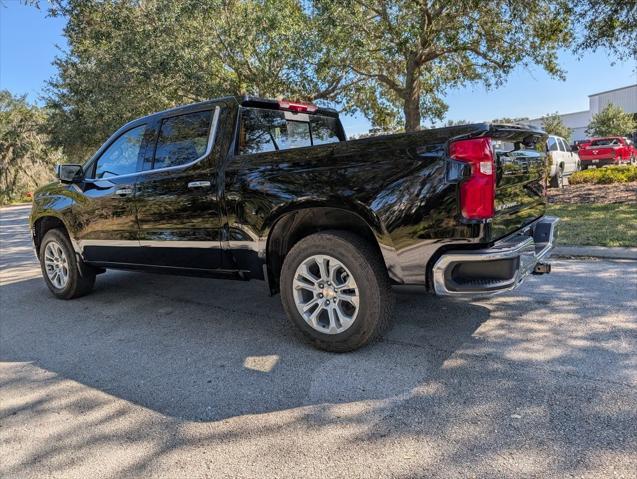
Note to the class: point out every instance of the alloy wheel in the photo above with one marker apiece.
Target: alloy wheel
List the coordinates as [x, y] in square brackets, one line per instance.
[56, 265]
[326, 294]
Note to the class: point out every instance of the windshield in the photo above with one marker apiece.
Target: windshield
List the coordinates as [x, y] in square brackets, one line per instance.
[264, 130]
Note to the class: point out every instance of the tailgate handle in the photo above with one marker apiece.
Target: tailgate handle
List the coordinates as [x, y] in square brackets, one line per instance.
[198, 184]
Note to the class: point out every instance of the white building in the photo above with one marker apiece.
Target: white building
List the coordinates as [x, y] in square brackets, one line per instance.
[625, 97]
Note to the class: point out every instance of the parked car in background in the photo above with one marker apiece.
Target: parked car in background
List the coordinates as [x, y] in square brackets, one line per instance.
[249, 188]
[563, 162]
[612, 150]
[579, 144]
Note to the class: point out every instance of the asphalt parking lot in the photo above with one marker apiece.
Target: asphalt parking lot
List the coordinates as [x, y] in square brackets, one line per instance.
[161, 376]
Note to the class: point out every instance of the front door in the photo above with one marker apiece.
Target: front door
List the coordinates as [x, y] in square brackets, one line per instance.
[177, 203]
[104, 208]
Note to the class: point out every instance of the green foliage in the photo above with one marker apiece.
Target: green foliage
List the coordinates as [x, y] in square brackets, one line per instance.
[402, 55]
[607, 24]
[611, 121]
[392, 60]
[510, 120]
[553, 125]
[457, 122]
[605, 176]
[26, 161]
[128, 58]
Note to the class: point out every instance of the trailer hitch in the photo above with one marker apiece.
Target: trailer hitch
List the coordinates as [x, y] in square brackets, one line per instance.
[542, 268]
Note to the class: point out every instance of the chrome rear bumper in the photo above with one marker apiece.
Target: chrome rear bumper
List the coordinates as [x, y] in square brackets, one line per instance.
[497, 269]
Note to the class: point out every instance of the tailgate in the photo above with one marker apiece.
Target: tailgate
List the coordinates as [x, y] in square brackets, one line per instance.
[520, 160]
[601, 152]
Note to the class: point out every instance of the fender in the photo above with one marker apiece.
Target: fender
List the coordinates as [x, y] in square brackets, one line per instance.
[285, 226]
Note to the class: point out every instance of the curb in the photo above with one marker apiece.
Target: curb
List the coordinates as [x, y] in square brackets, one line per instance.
[596, 252]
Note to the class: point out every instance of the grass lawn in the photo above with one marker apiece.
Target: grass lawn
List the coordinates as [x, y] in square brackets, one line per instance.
[596, 225]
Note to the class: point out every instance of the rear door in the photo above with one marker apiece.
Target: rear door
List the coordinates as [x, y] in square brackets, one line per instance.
[178, 210]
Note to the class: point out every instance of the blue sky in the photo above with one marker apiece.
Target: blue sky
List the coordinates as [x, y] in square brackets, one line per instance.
[28, 42]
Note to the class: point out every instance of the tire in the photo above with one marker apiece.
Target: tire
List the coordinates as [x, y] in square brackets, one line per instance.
[56, 245]
[557, 181]
[374, 295]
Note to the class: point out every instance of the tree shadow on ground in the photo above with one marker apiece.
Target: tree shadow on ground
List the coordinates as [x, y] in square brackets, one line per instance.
[537, 382]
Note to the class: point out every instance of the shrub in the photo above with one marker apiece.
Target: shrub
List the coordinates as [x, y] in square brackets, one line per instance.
[605, 176]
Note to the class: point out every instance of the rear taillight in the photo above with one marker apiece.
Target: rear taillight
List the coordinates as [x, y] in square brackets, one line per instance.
[477, 193]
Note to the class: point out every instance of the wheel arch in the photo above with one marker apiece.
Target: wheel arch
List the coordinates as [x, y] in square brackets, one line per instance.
[292, 226]
[43, 224]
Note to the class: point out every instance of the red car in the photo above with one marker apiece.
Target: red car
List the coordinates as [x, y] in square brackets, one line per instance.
[612, 150]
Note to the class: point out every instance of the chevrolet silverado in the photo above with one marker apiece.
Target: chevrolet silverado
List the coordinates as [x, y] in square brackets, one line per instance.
[247, 188]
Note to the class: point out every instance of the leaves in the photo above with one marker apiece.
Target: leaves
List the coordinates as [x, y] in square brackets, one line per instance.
[26, 161]
[128, 58]
[392, 60]
[611, 121]
[403, 55]
[607, 24]
[553, 125]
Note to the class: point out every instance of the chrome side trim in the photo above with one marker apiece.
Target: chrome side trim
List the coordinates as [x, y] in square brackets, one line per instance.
[148, 243]
[211, 141]
[529, 250]
[107, 243]
[179, 244]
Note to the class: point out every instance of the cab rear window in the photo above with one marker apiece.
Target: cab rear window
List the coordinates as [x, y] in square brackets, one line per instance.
[606, 142]
[264, 130]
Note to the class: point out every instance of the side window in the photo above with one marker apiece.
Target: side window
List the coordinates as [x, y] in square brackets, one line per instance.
[263, 130]
[565, 146]
[560, 144]
[121, 157]
[182, 139]
[552, 144]
[254, 133]
[268, 130]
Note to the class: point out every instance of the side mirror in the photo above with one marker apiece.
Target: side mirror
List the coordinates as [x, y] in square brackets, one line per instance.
[69, 173]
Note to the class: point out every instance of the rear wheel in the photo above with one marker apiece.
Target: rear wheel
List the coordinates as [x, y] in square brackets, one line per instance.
[60, 267]
[335, 289]
[557, 181]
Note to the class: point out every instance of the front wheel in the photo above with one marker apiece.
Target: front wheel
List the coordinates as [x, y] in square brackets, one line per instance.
[335, 289]
[60, 267]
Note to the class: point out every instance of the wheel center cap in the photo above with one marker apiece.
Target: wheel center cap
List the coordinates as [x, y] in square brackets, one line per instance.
[329, 293]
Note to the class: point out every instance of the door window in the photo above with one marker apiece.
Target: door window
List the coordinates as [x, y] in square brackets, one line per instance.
[552, 144]
[182, 139]
[121, 157]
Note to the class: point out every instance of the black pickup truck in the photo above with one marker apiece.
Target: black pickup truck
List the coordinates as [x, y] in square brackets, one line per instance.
[247, 188]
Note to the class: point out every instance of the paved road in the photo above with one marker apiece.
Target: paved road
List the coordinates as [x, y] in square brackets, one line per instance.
[159, 376]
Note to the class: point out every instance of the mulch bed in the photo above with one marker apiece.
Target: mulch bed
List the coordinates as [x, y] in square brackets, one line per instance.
[625, 193]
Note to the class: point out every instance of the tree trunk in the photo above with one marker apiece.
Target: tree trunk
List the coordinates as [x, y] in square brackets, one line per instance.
[411, 110]
[411, 106]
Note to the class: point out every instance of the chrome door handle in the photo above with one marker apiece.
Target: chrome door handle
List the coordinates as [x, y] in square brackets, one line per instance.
[199, 184]
[124, 191]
